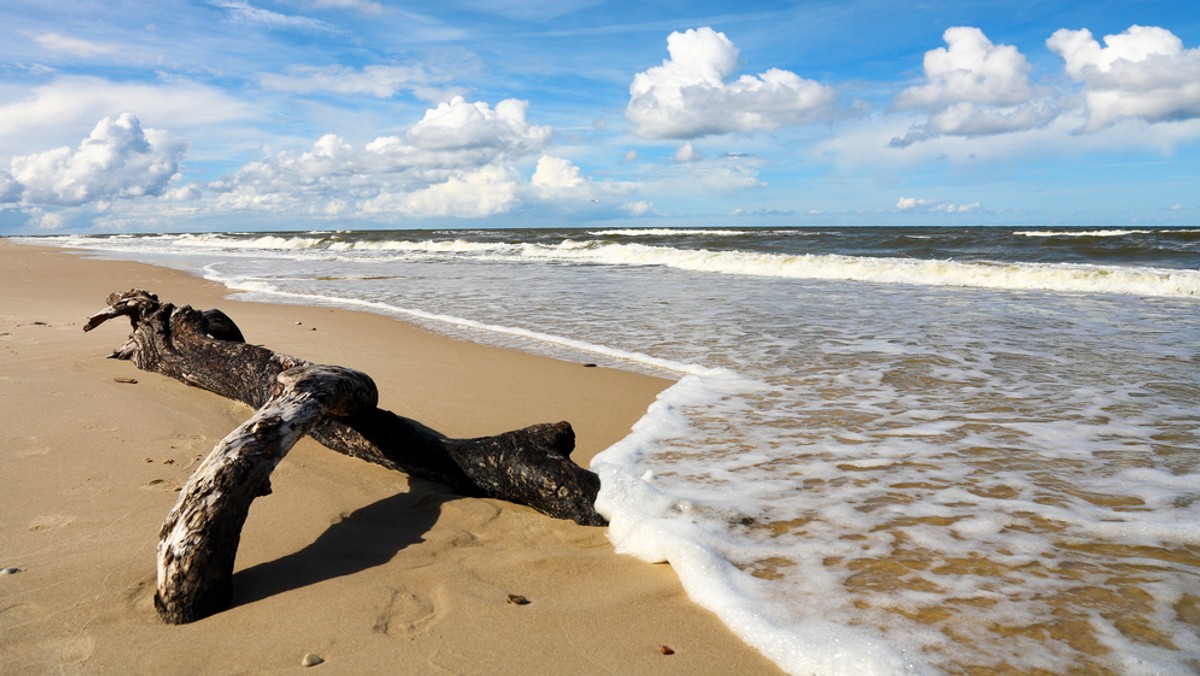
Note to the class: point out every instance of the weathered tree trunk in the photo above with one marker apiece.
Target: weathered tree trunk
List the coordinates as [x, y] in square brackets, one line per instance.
[337, 407]
[199, 540]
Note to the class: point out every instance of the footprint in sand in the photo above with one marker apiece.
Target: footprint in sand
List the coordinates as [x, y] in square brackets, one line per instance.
[161, 485]
[406, 614]
[50, 521]
[29, 447]
[70, 650]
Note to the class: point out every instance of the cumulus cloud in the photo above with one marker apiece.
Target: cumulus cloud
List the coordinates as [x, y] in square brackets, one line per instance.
[555, 176]
[970, 68]
[1144, 72]
[559, 181]
[973, 88]
[461, 134]
[459, 124]
[916, 204]
[690, 95]
[457, 161]
[118, 160]
[485, 191]
[56, 113]
[687, 153]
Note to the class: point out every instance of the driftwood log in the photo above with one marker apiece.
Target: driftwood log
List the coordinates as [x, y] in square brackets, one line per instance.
[338, 408]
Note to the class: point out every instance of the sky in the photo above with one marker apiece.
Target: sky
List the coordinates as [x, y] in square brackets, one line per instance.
[254, 115]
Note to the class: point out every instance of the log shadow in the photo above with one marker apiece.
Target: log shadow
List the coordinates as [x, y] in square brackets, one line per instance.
[368, 537]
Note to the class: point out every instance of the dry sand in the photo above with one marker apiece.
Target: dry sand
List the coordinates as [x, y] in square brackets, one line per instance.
[372, 572]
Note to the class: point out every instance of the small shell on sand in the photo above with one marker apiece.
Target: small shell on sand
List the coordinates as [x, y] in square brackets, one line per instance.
[517, 600]
[666, 650]
[10, 571]
[311, 660]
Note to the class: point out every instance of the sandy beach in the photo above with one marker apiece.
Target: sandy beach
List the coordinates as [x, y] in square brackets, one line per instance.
[346, 560]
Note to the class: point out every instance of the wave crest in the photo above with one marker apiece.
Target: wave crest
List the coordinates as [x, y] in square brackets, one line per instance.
[1066, 277]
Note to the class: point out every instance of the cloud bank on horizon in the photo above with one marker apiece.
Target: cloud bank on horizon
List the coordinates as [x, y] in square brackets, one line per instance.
[322, 114]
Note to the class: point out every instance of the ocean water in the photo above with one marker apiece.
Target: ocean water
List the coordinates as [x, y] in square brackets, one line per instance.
[888, 450]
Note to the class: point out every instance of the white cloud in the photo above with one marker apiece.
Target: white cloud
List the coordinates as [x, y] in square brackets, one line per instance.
[41, 219]
[452, 142]
[244, 12]
[529, 10]
[863, 145]
[55, 114]
[183, 193]
[934, 206]
[639, 208]
[462, 133]
[458, 161]
[1143, 73]
[118, 160]
[559, 181]
[973, 88]
[459, 124]
[690, 94]
[683, 181]
[486, 191]
[687, 153]
[62, 44]
[971, 69]
[364, 6]
[381, 81]
[555, 176]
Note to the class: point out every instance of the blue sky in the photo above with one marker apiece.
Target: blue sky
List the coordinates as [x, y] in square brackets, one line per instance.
[323, 114]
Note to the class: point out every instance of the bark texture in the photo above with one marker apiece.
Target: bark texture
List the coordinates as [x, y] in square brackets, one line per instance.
[338, 408]
[198, 542]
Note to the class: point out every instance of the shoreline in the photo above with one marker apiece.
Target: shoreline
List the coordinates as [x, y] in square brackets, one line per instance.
[346, 560]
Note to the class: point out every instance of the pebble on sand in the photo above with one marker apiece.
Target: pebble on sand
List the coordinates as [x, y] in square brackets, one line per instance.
[311, 660]
[10, 571]
[517, 600]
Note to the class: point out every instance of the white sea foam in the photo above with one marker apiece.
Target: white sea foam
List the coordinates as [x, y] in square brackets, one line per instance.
[665, 232]
[1058, 277]
[266, 242]
[1081, 233]
[456, 246]
[656, 526]
[262, 290]
[1016, 276]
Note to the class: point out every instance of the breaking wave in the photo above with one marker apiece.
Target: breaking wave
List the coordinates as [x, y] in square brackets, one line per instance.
[1017, 276]
[1013, 275]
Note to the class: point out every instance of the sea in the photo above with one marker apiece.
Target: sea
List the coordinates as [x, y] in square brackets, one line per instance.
[886, 450]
